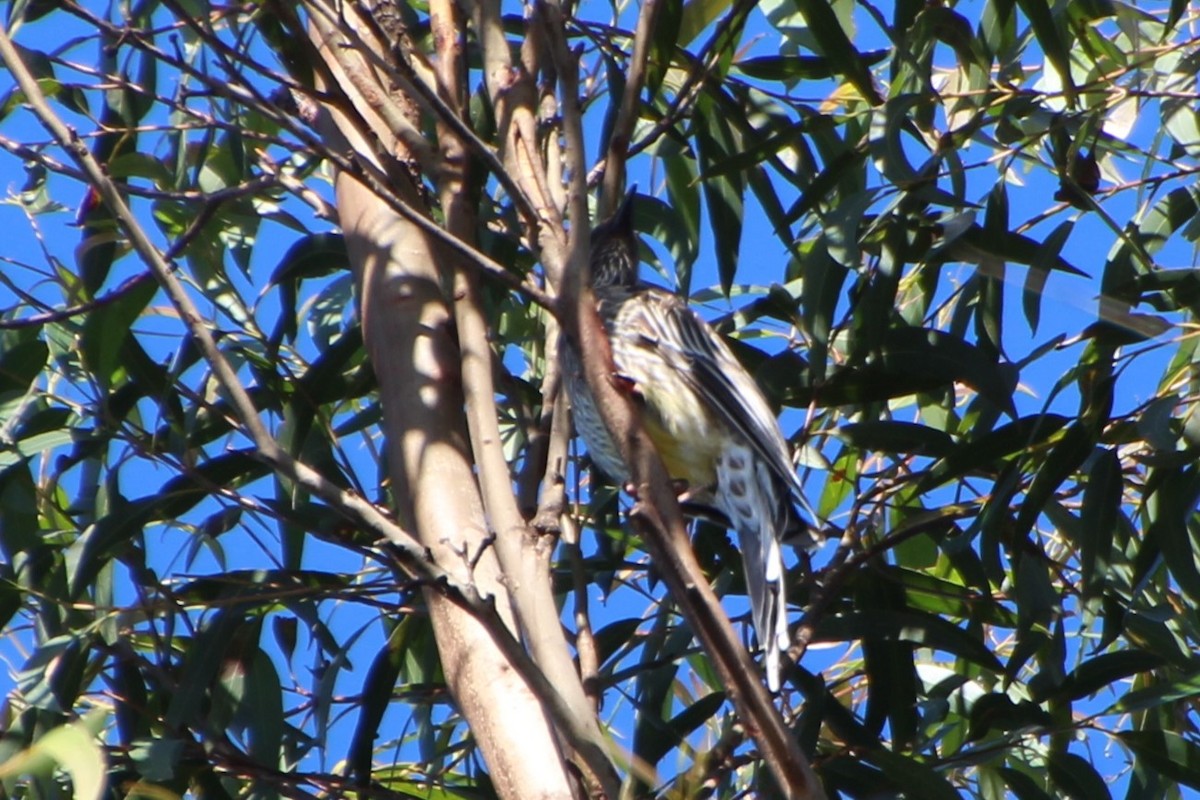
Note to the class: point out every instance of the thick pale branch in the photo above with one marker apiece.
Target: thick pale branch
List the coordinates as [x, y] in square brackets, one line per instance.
[514, 99]
[418, 81]
[363, 87]
[504, 695]
[416, 86]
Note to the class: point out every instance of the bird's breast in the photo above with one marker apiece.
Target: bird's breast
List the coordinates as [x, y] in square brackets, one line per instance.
[683, 427]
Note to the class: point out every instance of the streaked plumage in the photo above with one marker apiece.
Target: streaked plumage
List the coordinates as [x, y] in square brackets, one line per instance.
[707, 417]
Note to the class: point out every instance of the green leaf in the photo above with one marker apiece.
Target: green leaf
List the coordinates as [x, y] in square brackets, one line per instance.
[724, 195]
[1009, 246]
[1061, 463]
[1179, 117]
[1132, 255]
[823, 279]
[20, 366]
[11, 596]
[663, 42]
[1165, 752]
[988, 450]
[157, 759]
[1175, 14]
[684, 193]
[45, 680]
[892, 699]
[668, 227]
[916, 360]
[924, 630]
[614, 72]
[1102, 672]
[654, 682]
[679, 727]
[201, 664]
[1186, 688]
[1170, 508]
[106, 329]
[911, 777]
[698, 15]
[141, 165]
[377, 694]
[949, 598]
[827, 710]
[1055, 42]
[261, 586]
[827, 29]
[793, 68]
[42, 69]
[75, 748]
[890, 436]
[998, 712]
[1076, 777]
[1023, 787]
[114, 532]
[614, 637]
[853, 776]
[1102, 497]
[142, 91]
[261, 710]
[888, 123]
[1048, 254]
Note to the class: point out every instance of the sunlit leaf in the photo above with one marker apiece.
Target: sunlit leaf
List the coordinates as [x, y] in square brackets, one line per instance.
[1054, 39]
[73, 747]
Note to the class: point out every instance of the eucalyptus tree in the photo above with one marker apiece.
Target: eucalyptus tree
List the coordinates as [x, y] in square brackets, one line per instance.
[290, 505]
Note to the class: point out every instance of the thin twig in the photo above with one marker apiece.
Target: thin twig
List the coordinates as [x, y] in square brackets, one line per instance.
[60, 314]
[627, 114]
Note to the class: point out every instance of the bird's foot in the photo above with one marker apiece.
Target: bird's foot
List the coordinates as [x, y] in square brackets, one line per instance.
[625, 384]
[682, 488]
[678, 485]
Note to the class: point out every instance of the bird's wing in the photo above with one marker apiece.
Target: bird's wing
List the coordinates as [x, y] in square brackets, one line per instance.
[703, 360]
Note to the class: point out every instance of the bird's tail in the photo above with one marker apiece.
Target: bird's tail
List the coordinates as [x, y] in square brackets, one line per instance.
[758, 510]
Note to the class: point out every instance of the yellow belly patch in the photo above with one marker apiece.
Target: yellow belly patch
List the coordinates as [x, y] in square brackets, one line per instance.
[686, 437]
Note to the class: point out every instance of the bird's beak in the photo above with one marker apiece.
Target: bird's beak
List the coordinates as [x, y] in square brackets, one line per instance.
[623, 219]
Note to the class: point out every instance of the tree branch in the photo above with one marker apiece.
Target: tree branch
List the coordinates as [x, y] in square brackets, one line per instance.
[627, 114]
[514, 98]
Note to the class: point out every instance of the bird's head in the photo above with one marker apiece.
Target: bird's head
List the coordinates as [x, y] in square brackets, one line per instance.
[614, 258]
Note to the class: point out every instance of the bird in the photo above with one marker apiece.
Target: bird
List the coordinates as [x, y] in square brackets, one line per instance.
[708, 419]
